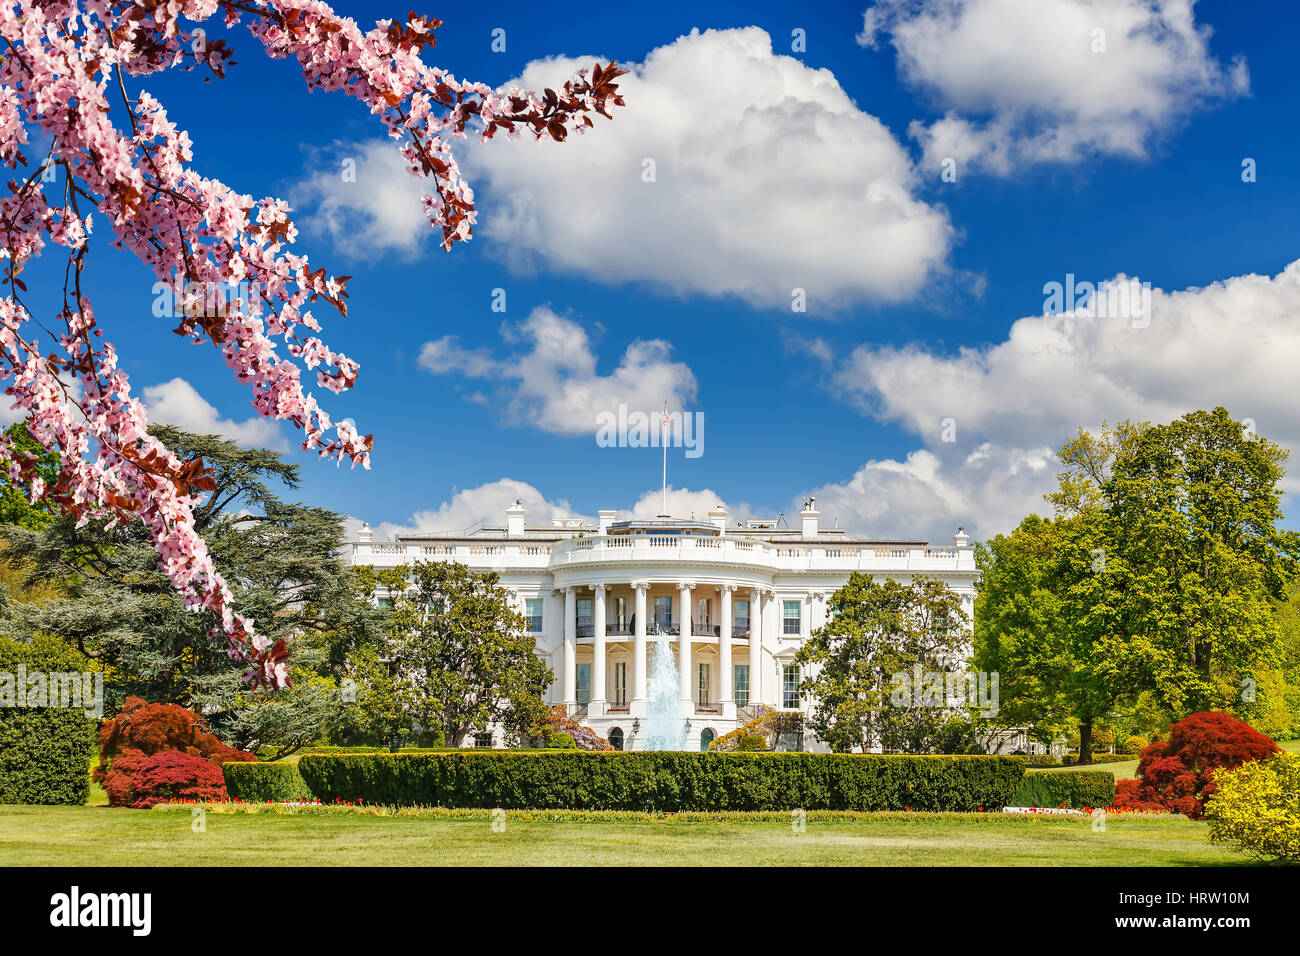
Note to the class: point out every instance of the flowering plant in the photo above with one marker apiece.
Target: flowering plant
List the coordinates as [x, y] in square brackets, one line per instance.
[64, 70]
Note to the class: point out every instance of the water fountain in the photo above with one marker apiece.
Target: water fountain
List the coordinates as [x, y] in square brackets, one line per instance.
[664, 727]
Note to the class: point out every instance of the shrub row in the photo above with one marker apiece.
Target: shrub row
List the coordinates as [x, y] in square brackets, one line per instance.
[44, 751]
[1077, 789]
[260, 782]
[1071, 759]
[669, 781]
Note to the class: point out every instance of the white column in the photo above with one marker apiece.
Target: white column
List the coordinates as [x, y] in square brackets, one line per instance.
[685, 679]
[597, 706]
[725, 695]
[755, 647]
[570, 665]
[638, 650]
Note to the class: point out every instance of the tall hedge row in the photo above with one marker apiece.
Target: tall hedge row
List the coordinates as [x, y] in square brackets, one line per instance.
[44, 751]
[618, 780]
[1075, 789]
[260, 782]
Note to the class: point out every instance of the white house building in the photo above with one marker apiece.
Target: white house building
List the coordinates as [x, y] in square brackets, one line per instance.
[735, 604]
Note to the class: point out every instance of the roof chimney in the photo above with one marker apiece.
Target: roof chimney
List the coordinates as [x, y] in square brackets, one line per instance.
[718, 518]
[809, 516]
[515, 519]
[961, 539]
[606, 519]
[365, 535]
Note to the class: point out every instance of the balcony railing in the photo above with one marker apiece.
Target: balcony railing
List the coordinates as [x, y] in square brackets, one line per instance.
[792, 555]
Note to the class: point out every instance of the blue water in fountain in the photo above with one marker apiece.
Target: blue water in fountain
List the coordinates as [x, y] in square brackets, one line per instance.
[665, 726]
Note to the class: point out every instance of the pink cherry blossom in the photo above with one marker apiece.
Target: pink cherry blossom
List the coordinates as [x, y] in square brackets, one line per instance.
[67, 70]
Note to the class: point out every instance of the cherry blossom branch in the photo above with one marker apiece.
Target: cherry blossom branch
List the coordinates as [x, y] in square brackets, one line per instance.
[198, 235]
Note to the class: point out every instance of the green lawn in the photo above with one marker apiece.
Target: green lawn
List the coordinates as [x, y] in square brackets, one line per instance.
[99, 836]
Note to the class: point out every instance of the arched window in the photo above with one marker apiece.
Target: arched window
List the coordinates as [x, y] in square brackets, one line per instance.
[706, 737]
[616, 738]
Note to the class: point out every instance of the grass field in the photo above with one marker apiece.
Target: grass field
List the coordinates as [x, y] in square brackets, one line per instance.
[98, 836]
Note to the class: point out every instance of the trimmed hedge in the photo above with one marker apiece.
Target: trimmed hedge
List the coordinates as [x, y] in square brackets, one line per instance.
[260, 782]
[1039, 760]
[667, 781]
[44, 751]
[1071, 759]
[1076, 789]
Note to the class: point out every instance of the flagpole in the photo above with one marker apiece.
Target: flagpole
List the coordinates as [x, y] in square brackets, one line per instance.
[664, 441]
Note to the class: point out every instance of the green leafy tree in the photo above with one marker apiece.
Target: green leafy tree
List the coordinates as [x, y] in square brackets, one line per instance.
[281, 561]
[1192, 514]
[1039, 626]
[877, 631]
[1154, 587]
[462, 654]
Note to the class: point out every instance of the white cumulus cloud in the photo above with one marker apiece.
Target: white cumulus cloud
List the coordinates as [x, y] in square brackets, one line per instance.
[767, 177]
[1031, 81]
[552, 381]
[1010, 404]
[177, 402]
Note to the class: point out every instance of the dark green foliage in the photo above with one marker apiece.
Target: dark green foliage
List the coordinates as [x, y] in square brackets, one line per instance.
[44, 752]
[877, 632]
[1073, 789]
[670, 781]
[260, 782]
[462, 656]
[281, 561]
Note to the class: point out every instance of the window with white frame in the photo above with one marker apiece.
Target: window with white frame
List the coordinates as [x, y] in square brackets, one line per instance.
[704, 683]
[742, 684]
[620, 614]
[620, 682]
[584, 617]
[790, 686]
[702, 619]
[740, 615]
[584, 683]
[790, 615]
[533, 613]
[664, 611]
[483, 740]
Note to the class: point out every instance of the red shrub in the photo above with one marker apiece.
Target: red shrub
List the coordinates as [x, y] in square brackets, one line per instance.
[142, 730]
[175, 775]
[1177, 774]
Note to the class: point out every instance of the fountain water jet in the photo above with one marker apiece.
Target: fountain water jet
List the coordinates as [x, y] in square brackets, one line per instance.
[664, 727]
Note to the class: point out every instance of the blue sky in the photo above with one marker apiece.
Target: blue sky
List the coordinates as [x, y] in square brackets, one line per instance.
[1068, 159]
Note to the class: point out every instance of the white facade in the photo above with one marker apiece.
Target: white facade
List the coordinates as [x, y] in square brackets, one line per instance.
[735, 602]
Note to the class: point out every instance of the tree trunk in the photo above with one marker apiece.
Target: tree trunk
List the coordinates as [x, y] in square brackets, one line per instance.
[1085, 741]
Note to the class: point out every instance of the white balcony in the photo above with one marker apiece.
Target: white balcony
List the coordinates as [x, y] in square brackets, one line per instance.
[794, 556]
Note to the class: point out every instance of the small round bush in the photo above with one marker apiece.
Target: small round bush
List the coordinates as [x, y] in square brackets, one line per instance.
[1256, 808]
[1135, 745]
[751, 742]
[561, 742]
[1178, 774]
[171, 775]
